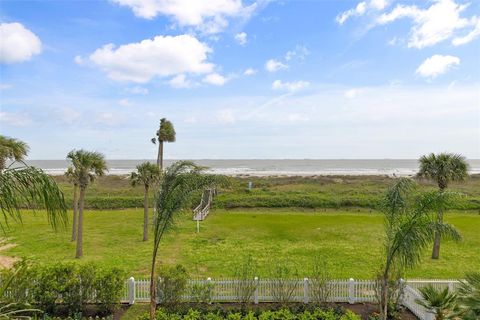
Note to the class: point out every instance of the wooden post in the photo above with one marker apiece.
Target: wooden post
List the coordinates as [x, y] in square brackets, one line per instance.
[255, 295]
[131, 291]
[305, 290]
[351, 291]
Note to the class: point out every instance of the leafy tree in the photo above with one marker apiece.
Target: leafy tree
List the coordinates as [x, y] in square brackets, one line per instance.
[442, 168]
[71, 175]
[26, 186]
[409, 228]
[147, 175]
[86, 166]
[166, 133]
[469, 297]
[178, 183]
[442, 303]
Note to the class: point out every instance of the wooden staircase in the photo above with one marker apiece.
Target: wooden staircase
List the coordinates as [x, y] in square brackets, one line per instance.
[203, 209]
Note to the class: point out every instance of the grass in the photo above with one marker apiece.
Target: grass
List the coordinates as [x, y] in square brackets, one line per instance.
[351, 242]
[111, 192]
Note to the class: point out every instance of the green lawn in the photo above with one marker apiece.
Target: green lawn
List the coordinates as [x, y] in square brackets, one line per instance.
[350, 242]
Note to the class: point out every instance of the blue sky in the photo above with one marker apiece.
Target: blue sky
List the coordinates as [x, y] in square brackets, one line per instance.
[242, 79]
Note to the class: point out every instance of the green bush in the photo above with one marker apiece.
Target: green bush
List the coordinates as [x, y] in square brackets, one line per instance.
[67, 286]
[172, 285]
[282, 314]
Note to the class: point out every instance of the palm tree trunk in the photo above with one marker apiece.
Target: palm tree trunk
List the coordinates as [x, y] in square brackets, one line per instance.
[160, 155]
[145, 214]
[436, 243]
[79, 252]
[75, 212]
[153, 291]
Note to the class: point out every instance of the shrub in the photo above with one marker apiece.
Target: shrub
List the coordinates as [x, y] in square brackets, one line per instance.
[246, 284]
[283, 288]
[201, 292]
[172, 285]
[109, 285]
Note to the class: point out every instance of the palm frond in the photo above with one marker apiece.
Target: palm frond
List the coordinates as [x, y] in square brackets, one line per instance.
[29, 187]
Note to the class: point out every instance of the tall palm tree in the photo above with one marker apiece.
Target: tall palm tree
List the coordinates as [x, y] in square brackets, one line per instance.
[71, 175]
[166, 133]
[87, 166]
[442, 168]
[26, 186]
[178, 183]
[409, 228]
[147, 175]
[441, 303]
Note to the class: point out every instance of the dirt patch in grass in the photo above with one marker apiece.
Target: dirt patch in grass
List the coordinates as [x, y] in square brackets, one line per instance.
[6, 262]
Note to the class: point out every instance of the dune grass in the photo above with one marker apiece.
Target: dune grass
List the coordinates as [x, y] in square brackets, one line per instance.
[350, 242]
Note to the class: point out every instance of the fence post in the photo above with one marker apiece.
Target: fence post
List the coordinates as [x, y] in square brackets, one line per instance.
[351, 291]
[305, 290]
[131, 290]
[255, 294]
[210, 289]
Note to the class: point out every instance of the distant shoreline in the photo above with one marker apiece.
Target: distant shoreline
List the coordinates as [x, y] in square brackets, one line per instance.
[272, 167]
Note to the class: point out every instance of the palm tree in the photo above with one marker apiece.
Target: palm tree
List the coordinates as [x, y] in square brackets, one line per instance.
[409, 228]
[166, 133]
[442, 303]
[442, 168]
[26, 187]
[87, 166]
[72, 178]
[147, 174]
[469, 296]
[178, 183]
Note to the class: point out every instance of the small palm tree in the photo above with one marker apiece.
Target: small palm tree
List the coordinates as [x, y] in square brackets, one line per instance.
[166, 133]
[86, 166]
[442, 303]
[178, 183]
[469, 296]
[442, 168]
[26, 186]
[409, 228]
[147, 175]
[72, 178]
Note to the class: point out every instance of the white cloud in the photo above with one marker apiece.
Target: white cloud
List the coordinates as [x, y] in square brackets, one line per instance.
[125, 103]
[273, 65]
[180, 82]
[353, 93]
[209, 16]
[108, 118]
[18, 44]
[138, 90]
[297, 118]
[190, 119]
[357, 11]
[361, 9]
[290, 86]
[249, 72]
[437, 65]
[160, 56]
[15, 119]
[5, 86]
[215, 79]
[457, 41]
[241, 38]
[299, 52]
[434, 24]
[68, 115]
[78, 59]
[225, 116]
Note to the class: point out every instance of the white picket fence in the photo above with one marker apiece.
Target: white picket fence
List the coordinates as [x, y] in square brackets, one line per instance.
[349, 291]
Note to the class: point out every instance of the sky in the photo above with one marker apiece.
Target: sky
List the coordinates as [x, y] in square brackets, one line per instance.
[324, 79]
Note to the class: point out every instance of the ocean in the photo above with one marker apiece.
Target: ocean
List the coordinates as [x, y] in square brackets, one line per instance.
[265, 167]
